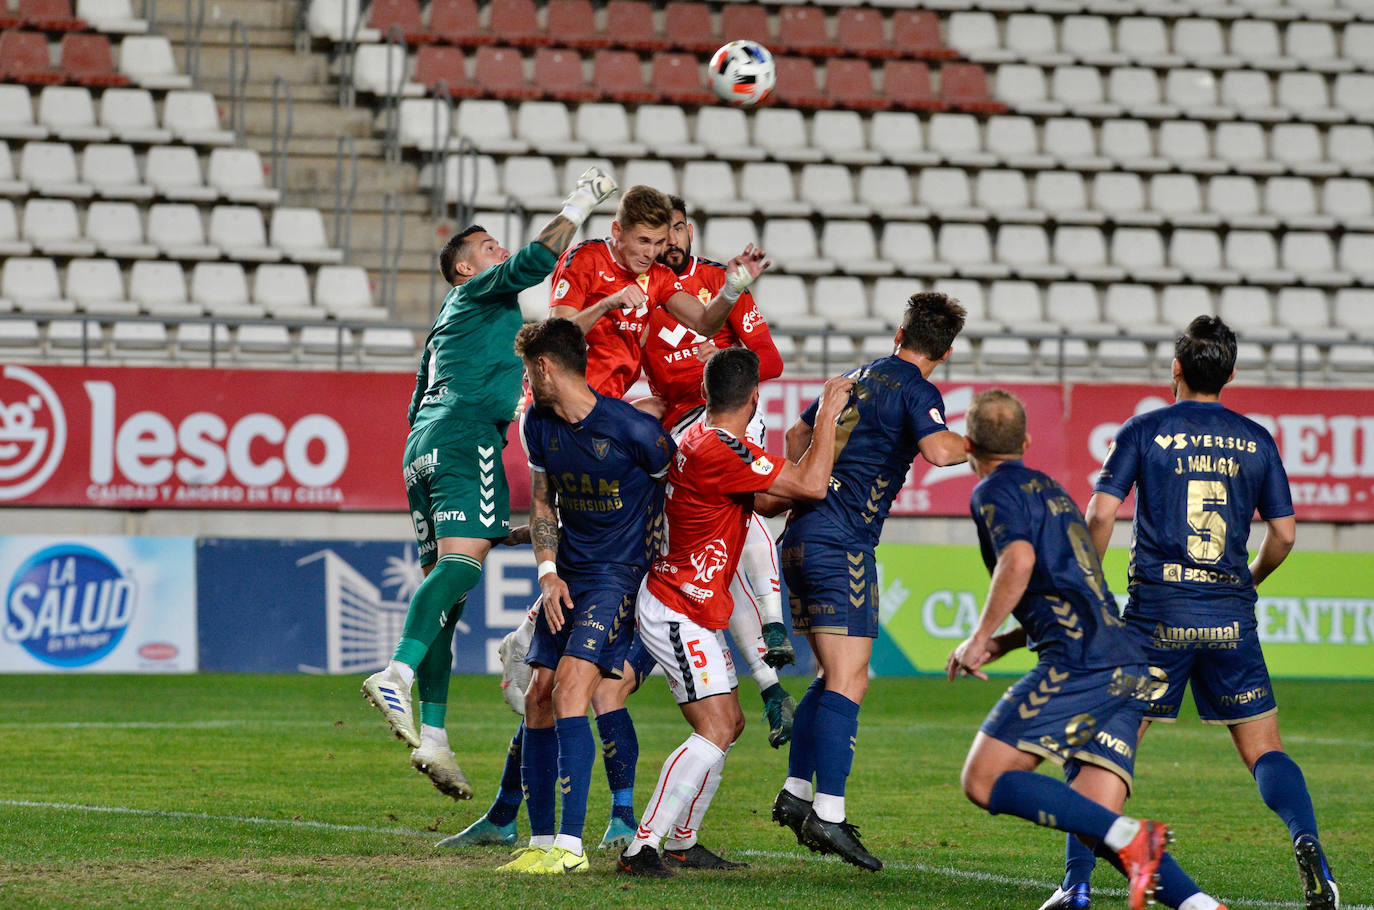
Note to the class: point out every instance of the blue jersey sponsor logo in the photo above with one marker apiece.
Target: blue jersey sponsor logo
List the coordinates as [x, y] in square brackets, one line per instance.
[69, 605]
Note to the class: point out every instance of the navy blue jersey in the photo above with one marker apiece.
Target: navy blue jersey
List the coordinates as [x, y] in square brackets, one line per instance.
[606, 471]
[1200, 472]
[1067, 611]
[892, 408]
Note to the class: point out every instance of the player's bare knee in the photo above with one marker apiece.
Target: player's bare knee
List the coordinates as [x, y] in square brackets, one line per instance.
[976, 786]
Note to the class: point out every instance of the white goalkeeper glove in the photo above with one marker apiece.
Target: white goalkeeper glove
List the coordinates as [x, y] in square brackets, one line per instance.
[593, 188]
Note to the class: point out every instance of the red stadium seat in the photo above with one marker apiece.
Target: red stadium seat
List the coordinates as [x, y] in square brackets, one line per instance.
[688, 27]
[571, 23]
[860, 31]
[849, 83]
[558, 75]
[50, 15]
[630, 23]
[964, 87]
[87, 59]
[906, 84]
[455, 22]
[677, 79]
[797, 84]
[745, 20]
[402, 14]
[618, 76]
[514, 22]
[435, 64]
[501, 74]
[24, 58]
[916, 33]
[801, 30]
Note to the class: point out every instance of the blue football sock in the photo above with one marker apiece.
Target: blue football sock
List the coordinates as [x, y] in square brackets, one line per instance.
[836, 726]
[1284, 790]
[1079, 862]
[538, 771]
[801, 755]
[509, 797]
[1175, 886]
[1048, 802]
[620, 754]
[576, 751]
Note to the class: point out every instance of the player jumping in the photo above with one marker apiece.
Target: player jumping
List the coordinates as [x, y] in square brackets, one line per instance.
[1200, 471]
[1088, 691]
[466, 391]
[685, 604]
[828, 561]
[674, 357]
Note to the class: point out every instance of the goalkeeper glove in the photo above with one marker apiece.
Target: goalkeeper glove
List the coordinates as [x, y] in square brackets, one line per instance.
[593, 188]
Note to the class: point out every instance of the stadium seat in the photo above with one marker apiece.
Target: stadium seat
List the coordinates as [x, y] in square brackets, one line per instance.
[500, 73]
[849, 85]
[916, 33]
[1357, 44]
[789, 305]
[710, 186]
[1255, 255]
[1074, 306]
[1257, 43]
[1084, 250]
[1350, 202]
[284, 291]
[768, 186]
[299, 234]
[723, 238]
[1121, 195]
[1188, 146]
[1305, 96]
[97, 286]
[546, 126]
[238, 230]
[844, 300]
[829, 190]
[1016, 304]
[1250, 94]
[383, 70]
[50, 168]
[137, 340]
[111, 16]
[745, 20]
[663, 129]
[1298, 146]
[946, 192]
[1350, 146]
[910, 246]
[1135, 90]
[839, 135]
[971, 296]
[343, 289]
[1180, 304]
[1194, 93]
[1178, 197]
[1249, 311]
[327, 344]
[9, 184]
[1032, 37]
[456, 22]
[860, 31]
[31, 284]
[1129, 144]
[968, 248]
[193, 118]
[1197, 254]
[1088, 39]
[897, 136]
[1080, 89]
[558, 75]
[1294, 202]
[1015, 142]
[485, 122]
[531, 179]
[1007, 194]
[174, 173]
[956, 138]
[1146, 41]
[340, 21]
[1353, 310]
[222, 289]
[148, 61]
[853, 248]
[118, 230]
[906, 83]
[86, 59]
[964, 87]
[113, 172]
[177, 231]
[975, 35]
[423, 123]
[159, 288]
[1024, 87]
[631, 24]
[791, 243]
[69, 115]
[1064, 196]
[436, 66]
[1357, 256]
[387, 345]
[652, 172]
[1351, 96]
[886, 190]
[571, 23]
[618, 76]
[1140, 251]
[10, 244]
[1134, 308]
[237, 174]
[677, 79]
[1245, 147]
[1073, 141]
[515, 22]
[1313, 45]
[781, 132]
[256, 342]
[474, 179]
[16, 114]
[401, 15]
[1026, 249]
[51, 226]
[605, 128]
[802, 30]
[199, 340]
[24, 58]
[128, 113]
[798, 84]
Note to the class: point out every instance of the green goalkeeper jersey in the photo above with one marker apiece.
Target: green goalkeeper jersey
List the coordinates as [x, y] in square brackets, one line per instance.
[469, 370]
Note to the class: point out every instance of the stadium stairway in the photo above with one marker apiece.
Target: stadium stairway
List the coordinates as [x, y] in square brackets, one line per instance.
[317, 121]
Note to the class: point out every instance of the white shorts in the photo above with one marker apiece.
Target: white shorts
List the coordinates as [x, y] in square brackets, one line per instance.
[755, 433]
[696, 661]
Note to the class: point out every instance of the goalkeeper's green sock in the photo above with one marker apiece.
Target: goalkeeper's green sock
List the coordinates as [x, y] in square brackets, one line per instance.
[438, 599]
[434, 672]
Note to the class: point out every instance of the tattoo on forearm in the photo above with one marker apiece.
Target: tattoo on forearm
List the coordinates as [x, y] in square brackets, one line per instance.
[557, 235]
[544, 534]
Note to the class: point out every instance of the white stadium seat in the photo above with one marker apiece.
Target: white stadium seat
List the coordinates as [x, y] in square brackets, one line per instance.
[546, 126]
[791, 243]
[299, 234]
[768, 186]
[96, 286]
[16, 114]
[129, 114]
[222, 288]
[710, 187]
[781, 132]
[69, 114]
[51, 226]
[177, 231]
[117, 228]
[159, 288]
[605, 128]
[50, 168]
[284, 291]
[113, 172]
[485, 122]
[237, 174]
[31, 284]
[193, 118]
[343, 289]
[147, 60]
[239, 231]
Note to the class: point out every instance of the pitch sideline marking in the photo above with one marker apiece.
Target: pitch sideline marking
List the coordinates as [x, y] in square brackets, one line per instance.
[368, 829]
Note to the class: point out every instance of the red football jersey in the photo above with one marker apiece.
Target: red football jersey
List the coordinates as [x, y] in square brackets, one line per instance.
[585, 274]
[710, 498]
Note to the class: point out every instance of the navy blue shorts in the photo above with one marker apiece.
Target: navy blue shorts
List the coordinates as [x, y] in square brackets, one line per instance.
[642, 663]
[1071, 714]
[1217, 653]
[830, 589]
[600, 626]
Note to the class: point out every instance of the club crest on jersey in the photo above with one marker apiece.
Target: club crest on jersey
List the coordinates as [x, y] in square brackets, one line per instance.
[761, 465]
[704, 296]
[710, 560]
[936, 416]
[600, 447]
[561, 290]
[643, 282]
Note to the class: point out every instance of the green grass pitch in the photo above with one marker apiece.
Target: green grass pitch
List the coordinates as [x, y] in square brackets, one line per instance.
[287, 791]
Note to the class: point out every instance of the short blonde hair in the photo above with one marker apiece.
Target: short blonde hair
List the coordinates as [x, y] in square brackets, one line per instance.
[644, 205]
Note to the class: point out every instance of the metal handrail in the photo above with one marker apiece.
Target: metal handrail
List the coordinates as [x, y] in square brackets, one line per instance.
[464, 203]
[343, 209]
[391, 100]
[391, 253]
[300, 29]
[438, 153]
[238, 82]
[193, 39]
[348, 44]
[280, 141]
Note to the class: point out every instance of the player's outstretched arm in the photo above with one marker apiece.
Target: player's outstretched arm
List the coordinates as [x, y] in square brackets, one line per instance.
[1279, 537]
[1101, 518]
[593, 188]
[809, 477]
[1010, 577]
[740, 272]
[943, 448]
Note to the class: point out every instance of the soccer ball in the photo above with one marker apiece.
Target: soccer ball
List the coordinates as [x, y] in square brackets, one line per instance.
[742, 73]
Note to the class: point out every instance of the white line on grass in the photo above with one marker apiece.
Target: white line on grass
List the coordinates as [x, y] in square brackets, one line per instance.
[995, 878]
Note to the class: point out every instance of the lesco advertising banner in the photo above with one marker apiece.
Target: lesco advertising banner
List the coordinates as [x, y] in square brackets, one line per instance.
[206, 439]
[1315, 614]
[98, 604]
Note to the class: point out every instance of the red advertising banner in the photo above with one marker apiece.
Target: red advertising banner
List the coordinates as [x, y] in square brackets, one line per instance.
[125, 437]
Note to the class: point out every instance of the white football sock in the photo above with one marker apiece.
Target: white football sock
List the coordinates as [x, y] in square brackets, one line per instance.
[568, 842]
[405, 671]
[541, 840]
[1200, 901]
[799, 788]
[685, 830]
[678, 784]
[436, 737]
[829, 808]
[1122, 832]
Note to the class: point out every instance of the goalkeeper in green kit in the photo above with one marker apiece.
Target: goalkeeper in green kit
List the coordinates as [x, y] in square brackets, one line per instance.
[466, 393]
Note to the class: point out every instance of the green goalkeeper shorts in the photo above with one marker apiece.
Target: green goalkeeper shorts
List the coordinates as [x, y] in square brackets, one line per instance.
[455, 483]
